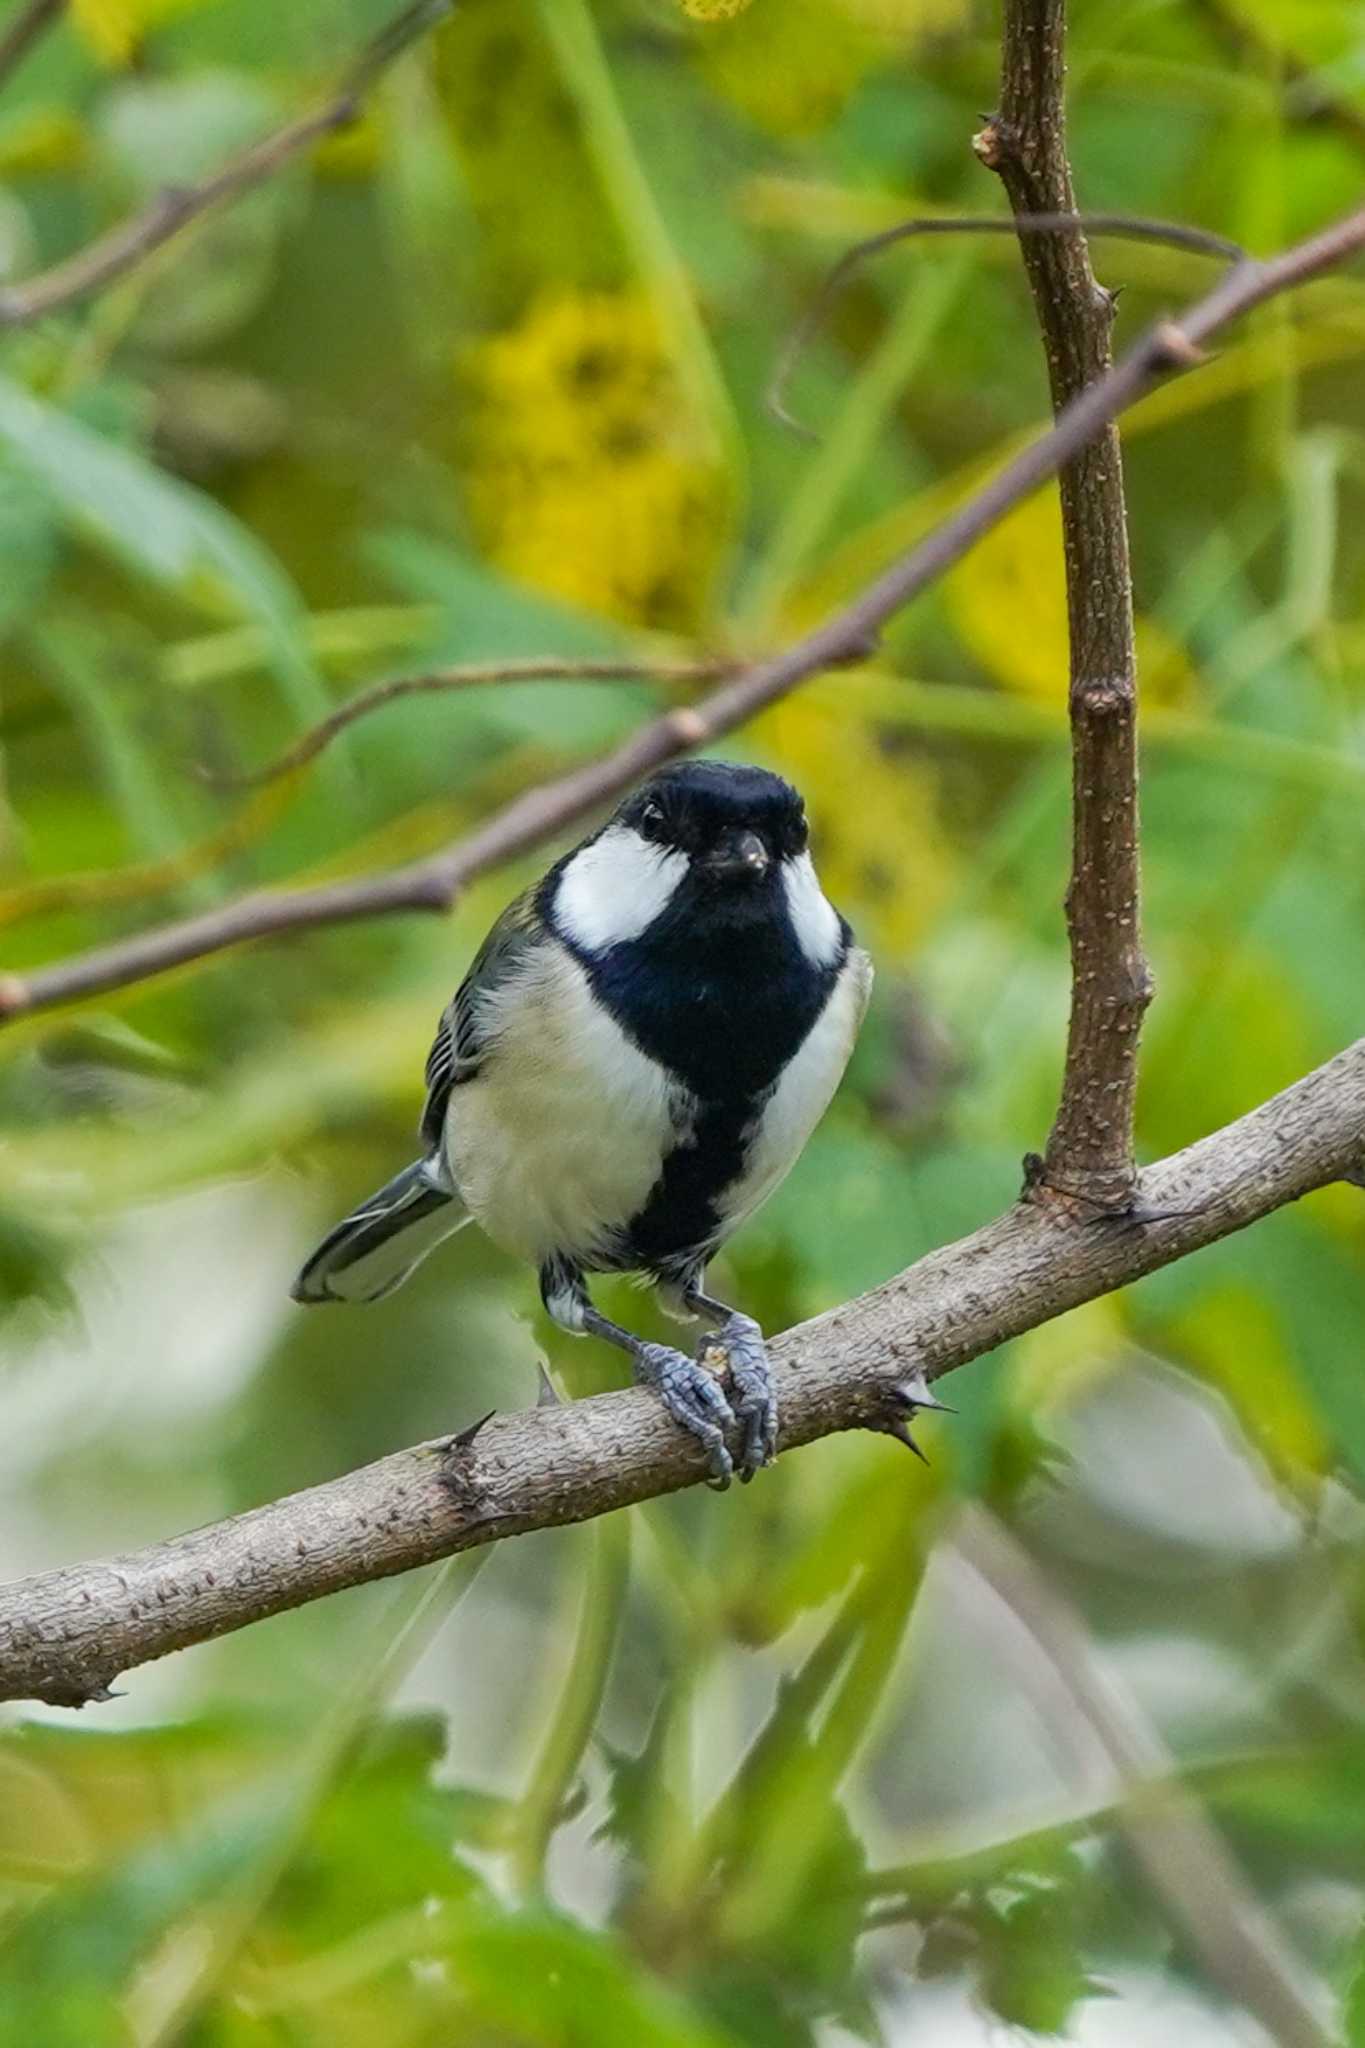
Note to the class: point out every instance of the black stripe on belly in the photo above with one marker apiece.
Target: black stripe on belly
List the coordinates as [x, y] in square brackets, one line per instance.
[682, 1215]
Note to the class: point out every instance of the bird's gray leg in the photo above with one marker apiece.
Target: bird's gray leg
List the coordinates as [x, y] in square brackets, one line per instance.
[751, 1376]
[690, 1393]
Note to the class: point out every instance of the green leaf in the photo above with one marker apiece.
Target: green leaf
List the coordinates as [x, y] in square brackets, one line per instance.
[486, 617]
[1032, 1973]
[32, 1265]
[545, 1982]
[75, 657]
[378, 1842]
[163, 529]
[28, 545]
[1355, 1998]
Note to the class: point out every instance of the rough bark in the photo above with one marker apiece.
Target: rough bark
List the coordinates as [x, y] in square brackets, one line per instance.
[66, 1634]
[1089, 1153]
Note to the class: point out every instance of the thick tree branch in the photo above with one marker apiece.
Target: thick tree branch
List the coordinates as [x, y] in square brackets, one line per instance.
[114, 254]
[1090, 1148]
[65, 1635]
[434, 883]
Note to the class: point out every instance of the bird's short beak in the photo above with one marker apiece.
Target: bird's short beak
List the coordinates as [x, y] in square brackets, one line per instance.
[740, 857]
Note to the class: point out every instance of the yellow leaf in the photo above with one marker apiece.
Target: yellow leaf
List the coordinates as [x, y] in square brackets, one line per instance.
[790, 65]
[589, 475]
[114, 28]
[42, 139]
[714, 10]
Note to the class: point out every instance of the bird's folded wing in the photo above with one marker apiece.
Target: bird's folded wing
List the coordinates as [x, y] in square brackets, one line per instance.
[461, 1037]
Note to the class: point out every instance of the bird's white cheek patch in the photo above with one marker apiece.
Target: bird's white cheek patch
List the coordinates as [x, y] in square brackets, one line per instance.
[814, 918]
[614, 889]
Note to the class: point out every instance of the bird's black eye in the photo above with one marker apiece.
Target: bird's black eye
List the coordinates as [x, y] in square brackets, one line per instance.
[652, 821]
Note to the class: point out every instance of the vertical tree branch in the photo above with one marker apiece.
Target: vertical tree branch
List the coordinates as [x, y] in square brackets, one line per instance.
[1090, 1148]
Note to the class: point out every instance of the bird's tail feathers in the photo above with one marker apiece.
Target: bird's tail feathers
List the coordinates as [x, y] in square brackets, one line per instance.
[374, 1249]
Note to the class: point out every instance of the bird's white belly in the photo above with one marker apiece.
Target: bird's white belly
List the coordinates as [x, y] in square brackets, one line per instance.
[803, 1093]
[557, 1141]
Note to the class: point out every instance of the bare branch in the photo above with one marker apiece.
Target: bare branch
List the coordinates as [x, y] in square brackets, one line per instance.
[1184, 1857]
[128, 244]
[849, 636]
[24, 30]
[469, 676]
[1090, 1149]
[64, 1635]
[1130, 227]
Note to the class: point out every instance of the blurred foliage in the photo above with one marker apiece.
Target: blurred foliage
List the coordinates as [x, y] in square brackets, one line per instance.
[485, 376]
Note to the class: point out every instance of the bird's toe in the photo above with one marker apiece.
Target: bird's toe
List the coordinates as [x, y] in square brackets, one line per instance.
[754, 1398]
[693, 1397]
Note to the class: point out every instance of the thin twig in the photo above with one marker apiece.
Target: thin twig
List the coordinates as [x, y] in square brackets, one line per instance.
[66, 1634]
[1185, 1859]
[1130, 227]
[113, 254]
[849, 636]
[468, 676]
[1090, 1148]
[28, 24]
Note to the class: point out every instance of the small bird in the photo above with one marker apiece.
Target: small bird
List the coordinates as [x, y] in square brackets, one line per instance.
[635, 1060]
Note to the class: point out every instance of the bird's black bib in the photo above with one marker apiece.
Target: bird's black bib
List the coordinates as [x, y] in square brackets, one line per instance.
[724, 1003]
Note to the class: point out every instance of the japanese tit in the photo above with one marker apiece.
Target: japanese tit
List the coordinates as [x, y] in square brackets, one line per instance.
[637, 1056]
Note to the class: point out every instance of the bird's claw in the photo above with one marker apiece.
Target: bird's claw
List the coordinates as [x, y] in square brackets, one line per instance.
[739, 1344]
[694, 1399]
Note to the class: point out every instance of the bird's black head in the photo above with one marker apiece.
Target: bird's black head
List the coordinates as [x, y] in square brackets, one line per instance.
[734, 825]
[705, 854]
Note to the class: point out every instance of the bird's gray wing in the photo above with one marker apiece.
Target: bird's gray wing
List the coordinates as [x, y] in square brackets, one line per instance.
[461, 1036]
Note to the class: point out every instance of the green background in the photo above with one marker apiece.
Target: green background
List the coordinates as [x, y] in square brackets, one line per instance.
[484, 376]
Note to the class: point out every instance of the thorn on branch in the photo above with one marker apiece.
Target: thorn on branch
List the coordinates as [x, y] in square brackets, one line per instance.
[547, 1393]
[79, 1692]
[457, 1474]
[463, 1438]
[905, 1399]
[1042, 1190]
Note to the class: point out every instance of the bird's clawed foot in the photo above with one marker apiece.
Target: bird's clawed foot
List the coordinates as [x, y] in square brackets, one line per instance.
[740, 1341]
[694, 1399]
